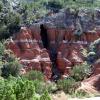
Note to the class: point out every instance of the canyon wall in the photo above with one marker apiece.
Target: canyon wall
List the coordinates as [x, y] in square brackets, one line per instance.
[28, 46]
[52, 46]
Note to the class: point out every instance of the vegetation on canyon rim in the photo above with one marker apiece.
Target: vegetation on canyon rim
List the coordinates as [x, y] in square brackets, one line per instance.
[14, 13]
[32, 86]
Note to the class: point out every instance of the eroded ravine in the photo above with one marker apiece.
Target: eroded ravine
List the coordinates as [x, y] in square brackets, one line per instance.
[52, 45]
[48, 50]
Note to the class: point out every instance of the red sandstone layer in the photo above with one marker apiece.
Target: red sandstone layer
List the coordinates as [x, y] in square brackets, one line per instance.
[28, 46]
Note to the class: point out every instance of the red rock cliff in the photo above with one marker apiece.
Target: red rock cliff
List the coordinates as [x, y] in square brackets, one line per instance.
[28, 46]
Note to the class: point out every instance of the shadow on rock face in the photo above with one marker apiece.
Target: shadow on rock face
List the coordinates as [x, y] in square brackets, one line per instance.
[44, 36]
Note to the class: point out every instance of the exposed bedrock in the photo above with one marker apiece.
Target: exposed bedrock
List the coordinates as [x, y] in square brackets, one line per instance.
[49, 49]
[52, 45]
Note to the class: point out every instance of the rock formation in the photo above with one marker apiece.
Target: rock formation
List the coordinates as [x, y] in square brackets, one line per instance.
[52, 43]
[31, 54]
[91, 85]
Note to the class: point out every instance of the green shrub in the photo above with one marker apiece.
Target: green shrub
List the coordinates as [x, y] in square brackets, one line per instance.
[11, 68]
[34, 75]
[39, 86]
[91, 57]
[80, 72]
[39, 83]
[1, 6]
[2, 48]
[45, 96]
[93, 46]
[94, 53]
[38, 80]
[9, 20]
[67, 85]
[27, 11]
[55, 5]
[16, 89]
[10, 64]
[20, 89]
[81, 93]
[51, 87]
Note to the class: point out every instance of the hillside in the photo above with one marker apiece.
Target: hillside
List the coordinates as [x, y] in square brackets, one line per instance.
[49, 48]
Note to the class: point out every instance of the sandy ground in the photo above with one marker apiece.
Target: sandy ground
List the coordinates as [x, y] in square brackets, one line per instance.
[59, 96]
[62, 96]
[92, 98]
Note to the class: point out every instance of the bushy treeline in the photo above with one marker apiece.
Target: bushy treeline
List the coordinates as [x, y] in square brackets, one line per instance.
[9, 20]
[20, 89]
[31, 85]
[9, 64]
[40, 8]
[14, 13]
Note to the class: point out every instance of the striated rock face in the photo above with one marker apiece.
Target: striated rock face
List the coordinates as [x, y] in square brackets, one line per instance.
[31, 54]
[53, 43]
[28, 46]
[91, 85]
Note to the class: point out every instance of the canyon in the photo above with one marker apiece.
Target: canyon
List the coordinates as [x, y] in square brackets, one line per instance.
[51, 45]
